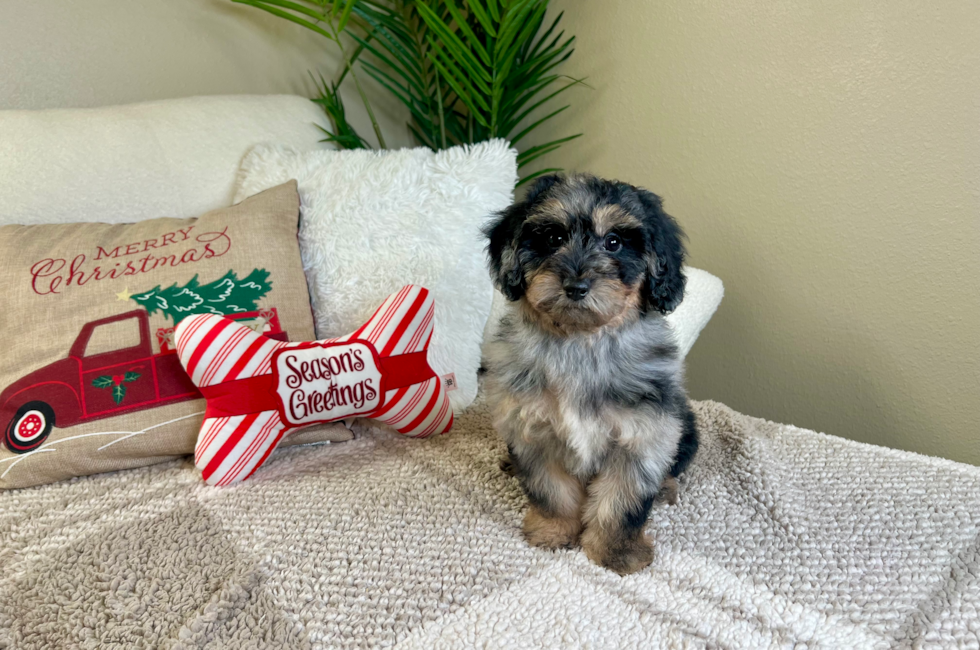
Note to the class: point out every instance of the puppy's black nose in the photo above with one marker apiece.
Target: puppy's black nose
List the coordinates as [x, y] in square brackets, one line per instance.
[576, 289]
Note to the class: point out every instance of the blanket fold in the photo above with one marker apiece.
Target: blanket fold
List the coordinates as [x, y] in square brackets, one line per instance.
[782, 536]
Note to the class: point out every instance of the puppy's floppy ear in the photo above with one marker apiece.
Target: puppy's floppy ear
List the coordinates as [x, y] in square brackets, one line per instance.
[664, 285]
[504, 233]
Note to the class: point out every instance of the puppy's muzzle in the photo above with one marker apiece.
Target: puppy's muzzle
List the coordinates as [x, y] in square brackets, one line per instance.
[576, 289]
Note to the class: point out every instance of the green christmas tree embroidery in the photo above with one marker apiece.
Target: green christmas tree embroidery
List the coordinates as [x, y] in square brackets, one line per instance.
[229, 295]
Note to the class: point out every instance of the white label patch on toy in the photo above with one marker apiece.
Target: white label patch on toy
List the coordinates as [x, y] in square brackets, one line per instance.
[449, 381]
[322, 382]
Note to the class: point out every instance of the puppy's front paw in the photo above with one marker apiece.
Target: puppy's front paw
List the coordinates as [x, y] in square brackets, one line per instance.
[620, 553]
[668, 491]
[550, 532]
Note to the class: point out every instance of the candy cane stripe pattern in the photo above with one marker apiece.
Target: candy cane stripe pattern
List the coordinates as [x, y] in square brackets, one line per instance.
[258, 390]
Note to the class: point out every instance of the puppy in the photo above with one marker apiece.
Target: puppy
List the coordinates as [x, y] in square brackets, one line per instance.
[583, 375]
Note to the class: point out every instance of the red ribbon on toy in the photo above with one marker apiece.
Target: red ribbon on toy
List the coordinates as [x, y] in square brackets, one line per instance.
[258, 394]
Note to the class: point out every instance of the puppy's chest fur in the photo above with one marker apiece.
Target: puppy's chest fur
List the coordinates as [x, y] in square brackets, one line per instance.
[582, 394]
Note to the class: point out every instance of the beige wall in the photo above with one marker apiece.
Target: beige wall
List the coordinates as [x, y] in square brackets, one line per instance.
[56, 53]
[824, 157]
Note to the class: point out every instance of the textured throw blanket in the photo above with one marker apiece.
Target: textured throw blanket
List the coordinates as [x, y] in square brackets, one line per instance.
[782, 538]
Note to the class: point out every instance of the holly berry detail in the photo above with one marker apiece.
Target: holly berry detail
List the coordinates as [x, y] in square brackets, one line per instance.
[117, 383]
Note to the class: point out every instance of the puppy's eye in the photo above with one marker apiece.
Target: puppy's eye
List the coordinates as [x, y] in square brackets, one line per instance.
[612, 242]
[556, 239]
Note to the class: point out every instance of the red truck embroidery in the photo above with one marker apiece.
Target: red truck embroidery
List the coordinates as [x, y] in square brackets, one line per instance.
[91, 384]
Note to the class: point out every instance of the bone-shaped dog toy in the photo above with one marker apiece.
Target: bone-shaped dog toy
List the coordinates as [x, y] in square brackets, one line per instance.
[258, 390]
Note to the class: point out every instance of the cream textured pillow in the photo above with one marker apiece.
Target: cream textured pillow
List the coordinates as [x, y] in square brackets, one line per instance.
[375, 221]
[90, 380]
[116, 164]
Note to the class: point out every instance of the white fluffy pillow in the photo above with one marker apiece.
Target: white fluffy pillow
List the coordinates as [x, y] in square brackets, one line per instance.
[373, 221]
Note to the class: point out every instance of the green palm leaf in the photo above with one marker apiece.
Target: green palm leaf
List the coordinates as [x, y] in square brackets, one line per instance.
[520, 136]
[471, 38]
[536, 152]
[343, 135]
[486, 15]
[540, 172]
[451, 41]
[344, 17]
[270, 6]
[527, 112]
[466, 70]
[493, 6]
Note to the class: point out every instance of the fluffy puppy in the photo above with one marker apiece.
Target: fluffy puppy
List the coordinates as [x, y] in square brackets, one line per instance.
[583, 375]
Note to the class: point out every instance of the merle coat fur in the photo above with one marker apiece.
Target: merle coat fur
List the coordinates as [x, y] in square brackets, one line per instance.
[584, 377]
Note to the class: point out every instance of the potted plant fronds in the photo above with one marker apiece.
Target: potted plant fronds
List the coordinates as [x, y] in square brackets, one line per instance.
[466, 70]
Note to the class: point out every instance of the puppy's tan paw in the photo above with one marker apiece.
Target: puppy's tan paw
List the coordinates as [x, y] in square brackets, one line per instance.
[624, 555]
[550, 532]
[669, 491]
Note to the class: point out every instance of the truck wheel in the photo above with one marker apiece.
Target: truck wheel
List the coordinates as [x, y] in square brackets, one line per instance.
[29, 428]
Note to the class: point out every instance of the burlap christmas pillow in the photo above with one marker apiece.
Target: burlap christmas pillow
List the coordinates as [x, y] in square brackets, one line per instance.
[89, 377]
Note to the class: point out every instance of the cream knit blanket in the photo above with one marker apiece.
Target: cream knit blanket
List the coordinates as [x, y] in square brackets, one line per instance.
[782, 538]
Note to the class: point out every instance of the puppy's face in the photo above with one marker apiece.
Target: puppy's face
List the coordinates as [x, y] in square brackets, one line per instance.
[583, 268]
[583, 253]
